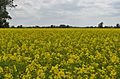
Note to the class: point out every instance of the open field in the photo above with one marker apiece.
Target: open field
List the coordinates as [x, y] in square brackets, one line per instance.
[59, 53]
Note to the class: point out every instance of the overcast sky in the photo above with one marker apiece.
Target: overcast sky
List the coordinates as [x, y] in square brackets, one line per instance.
[72, 12]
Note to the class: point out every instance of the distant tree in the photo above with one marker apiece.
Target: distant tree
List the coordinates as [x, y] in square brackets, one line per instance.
[37, 27]
[52, 26]
[117, 25]
[12, 26]
[67, 26]
[111, 26]
[62, 26]
[95, 26]
[91, 26]
[106, 26]
[100, 25]
[20, 26]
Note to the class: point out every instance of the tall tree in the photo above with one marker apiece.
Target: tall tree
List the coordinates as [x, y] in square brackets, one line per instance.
[117, 25]
[4, 15]
[100, 25]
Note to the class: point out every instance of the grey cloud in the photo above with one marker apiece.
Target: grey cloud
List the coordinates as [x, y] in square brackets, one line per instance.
[68, 7]
[77, 12]
[46, 1]
[115, 9]
[116, 5]
[28, 4]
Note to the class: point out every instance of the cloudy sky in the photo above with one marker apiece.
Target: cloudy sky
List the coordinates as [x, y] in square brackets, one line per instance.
[73, 12]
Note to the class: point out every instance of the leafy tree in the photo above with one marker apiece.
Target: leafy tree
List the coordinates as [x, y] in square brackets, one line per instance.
[20, 26]
[100, 25]
[62, 26]
[117, 25]
[52, 26]
[4, 15]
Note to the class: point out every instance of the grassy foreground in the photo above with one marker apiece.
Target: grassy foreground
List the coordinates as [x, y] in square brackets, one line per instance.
[59, 53]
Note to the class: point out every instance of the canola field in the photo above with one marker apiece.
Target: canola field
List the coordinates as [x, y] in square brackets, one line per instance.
[60, 53]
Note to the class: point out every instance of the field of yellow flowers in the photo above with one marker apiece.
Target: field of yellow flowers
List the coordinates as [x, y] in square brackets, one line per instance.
[59, 53]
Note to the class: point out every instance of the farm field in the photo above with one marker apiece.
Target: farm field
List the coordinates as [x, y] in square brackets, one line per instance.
[60, 53]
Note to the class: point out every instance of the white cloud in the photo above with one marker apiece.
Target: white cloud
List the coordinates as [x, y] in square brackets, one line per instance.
[75, 12]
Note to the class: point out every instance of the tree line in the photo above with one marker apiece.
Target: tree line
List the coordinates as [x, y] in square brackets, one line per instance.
[100, 25]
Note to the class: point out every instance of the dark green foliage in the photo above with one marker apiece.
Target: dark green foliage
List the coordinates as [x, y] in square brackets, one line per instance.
[100, 25]
[4, 15]
[19, 26]
[117, 25]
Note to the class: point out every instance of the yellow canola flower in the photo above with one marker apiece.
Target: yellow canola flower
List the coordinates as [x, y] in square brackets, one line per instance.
[8, 76]
[5, 57]
[40, 73]
[1, 69]
[114, 58]
[15, 68]
[70, 61]
[54, 69]
[61, 74]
